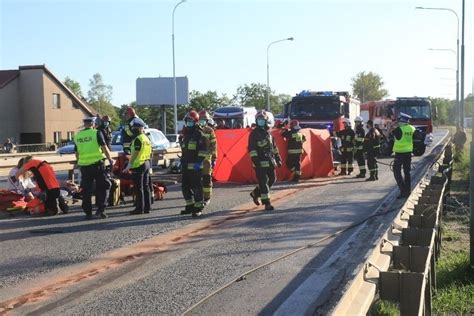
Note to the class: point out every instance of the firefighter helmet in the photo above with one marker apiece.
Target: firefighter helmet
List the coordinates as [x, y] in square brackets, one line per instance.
[294, 124]
[203, 115]
[347, 122]
[359, 119]
[192, 116]
[105, 118]
[262, 114]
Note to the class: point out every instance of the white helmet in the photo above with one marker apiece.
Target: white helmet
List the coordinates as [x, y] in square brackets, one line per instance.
[348, 122]
[359, 119]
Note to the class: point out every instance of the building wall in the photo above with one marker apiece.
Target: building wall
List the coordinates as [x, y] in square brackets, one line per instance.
[65, 119]
[31, 101]
[10, 108]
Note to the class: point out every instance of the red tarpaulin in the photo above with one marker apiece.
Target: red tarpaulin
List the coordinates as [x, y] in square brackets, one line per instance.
[234, 164]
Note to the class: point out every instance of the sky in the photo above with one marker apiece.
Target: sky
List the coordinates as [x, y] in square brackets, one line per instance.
[220, 45]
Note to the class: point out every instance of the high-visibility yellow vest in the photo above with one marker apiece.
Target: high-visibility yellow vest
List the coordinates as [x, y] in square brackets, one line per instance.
[145, 151]
[404, 144]
[88, 147]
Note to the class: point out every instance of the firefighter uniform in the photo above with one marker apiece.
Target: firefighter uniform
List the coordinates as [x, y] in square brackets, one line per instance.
[347, 137]
[265, 157]
[140, 165]
[194, 150]
[372, 148]
[211, 155]
[403, 147]
[90, 158]
[359, 147]
[295, 148]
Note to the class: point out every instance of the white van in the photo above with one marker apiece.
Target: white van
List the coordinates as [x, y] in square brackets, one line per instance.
[235, 116]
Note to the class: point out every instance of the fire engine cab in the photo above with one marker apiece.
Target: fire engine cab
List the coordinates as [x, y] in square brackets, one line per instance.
[384, 115]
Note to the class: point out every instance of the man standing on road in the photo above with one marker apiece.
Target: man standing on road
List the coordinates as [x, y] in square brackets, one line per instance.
[90, 148]
[209, 162]
[359, 146]
[295, 148]
[106, 131]
[140, 166]
[347, 136]
[194, 151]
[403, 147]
[372, 146]
[265, 158]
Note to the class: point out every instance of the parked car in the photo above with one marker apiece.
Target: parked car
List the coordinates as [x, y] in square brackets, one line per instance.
[157, 138]
[173, 138]
[69, 147]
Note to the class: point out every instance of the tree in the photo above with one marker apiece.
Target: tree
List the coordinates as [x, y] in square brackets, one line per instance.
[74, 86]
[208, 101]
[100, 97]
[368, 86]
[99, 93]
[255, 95]
[444, 109]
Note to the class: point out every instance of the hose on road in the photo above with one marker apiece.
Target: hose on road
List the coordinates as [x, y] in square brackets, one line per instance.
[245, 274]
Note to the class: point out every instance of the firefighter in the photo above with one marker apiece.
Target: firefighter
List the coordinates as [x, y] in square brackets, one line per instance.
[90, 148]
[265, 158]
[359, 146]
[347, 137]
[46, 181]
[372, 147]
[194, 151]
[140, 165]
[209, 162]
[403, 147]
[295, 148]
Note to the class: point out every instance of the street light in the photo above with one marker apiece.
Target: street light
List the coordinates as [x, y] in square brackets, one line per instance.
[268, 69]
[175, 104]
[458, 114]
[459, 102]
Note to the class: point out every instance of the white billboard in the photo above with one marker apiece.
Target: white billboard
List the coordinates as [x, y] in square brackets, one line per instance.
[160, 91]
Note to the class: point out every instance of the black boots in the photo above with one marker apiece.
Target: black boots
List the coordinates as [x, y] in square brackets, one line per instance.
[361, 175]
[187, 210]
[255, 198]
[296, 178]
[269, 207]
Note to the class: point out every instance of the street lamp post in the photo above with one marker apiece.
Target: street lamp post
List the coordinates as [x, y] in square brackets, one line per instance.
[457, 112]
[459, 102]
[268, 69]
[175, 103]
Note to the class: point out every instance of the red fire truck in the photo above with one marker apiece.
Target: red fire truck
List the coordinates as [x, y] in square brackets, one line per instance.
[384, 114]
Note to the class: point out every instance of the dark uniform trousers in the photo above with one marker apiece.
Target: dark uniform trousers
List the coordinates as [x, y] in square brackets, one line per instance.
[141, 181]
[266, 178]
[52, 197]
[191, 185]
[98, 173]
[359, 156]
[347, 158]
[372, 161]
[293, 162]
[402, 160]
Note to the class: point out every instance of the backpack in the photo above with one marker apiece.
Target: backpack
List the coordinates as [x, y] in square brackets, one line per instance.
[114, 193]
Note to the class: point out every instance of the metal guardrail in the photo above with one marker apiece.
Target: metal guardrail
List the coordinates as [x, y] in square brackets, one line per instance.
[67, 162]
[402, 266]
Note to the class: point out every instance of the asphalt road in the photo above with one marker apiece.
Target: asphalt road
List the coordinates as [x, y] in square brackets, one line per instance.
[167, 262]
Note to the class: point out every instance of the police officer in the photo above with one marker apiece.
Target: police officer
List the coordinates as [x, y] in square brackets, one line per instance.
[127, 134]
[90, 148]
[403, 147]
[140, 165]
[372, 147]
[209, 162]
[194, 151]
[295, 148]
[265, 158]
[347, 137]
[359, 146]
